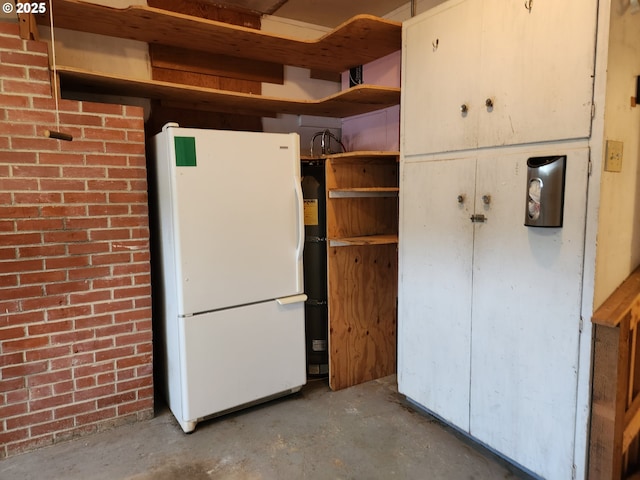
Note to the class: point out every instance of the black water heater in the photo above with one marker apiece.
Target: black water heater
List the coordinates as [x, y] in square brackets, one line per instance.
[315, 268]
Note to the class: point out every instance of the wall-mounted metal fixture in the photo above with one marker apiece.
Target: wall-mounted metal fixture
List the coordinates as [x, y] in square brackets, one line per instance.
[325, 142]
[545, 191]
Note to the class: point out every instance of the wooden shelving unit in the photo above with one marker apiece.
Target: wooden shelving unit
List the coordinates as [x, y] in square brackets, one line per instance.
[354, 101]
[362, 232]
[360, 40]
[362, 195]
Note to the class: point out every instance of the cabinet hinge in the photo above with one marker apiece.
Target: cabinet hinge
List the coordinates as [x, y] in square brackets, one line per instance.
[573, 472]
[593, 110]
[580, 325]
[589, 168]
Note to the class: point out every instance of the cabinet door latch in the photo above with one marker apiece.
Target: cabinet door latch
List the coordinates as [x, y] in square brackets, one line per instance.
[478, 218]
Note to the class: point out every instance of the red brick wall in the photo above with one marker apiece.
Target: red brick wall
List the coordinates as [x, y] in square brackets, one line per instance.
[75, 299]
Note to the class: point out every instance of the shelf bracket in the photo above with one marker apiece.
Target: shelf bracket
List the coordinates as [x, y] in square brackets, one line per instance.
[28, 26]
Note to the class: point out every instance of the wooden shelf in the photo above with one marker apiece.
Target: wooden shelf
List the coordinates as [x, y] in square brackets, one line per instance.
[364, 192]
[361, 156]
[354, 101]
[360, 40]
[362, 232]
[364, 240]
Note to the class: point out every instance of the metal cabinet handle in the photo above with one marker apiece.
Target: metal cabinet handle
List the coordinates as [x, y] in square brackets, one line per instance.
[464, 108]
[461, 199]
[489, 103]
[486, 199]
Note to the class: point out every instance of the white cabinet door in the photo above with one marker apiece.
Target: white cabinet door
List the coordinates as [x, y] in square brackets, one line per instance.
[436, 254]
[537, 69]
[441, 53]
[526, 314]
[489, 312]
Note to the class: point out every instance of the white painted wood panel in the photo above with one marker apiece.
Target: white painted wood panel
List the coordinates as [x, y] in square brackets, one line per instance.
[441, 54]
[436, 240]
[537, 68]
[526, 313]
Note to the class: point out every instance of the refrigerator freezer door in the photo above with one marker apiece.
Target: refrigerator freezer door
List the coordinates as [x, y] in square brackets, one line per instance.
[240, 355]
[237, 204]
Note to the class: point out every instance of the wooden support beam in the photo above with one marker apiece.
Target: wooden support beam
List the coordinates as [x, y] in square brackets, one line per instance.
[608, 403]
[28, 26]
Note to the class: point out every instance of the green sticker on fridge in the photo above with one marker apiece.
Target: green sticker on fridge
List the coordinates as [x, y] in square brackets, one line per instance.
[185, 151]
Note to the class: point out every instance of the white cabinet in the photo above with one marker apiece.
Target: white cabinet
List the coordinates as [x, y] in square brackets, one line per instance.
[436, 260]
[489, 311]
[481, 73]
[439, 50]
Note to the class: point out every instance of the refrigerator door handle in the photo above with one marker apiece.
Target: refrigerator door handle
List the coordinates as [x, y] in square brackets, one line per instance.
[292, 299]
[300, 226]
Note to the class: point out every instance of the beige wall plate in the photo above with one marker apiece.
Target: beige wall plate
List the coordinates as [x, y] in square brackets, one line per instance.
[613, 156]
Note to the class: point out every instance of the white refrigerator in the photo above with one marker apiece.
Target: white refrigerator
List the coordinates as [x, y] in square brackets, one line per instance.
[230, 240]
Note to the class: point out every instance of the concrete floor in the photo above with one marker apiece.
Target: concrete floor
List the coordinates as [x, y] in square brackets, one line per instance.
[363, 432]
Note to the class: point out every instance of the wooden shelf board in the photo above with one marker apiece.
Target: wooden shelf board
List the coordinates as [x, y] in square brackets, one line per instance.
[361, 157]
[363, 192]
[356, 155]
[365, 240]
[354, 101]
[360, 40]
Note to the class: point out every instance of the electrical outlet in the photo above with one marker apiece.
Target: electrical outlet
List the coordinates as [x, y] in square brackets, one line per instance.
[613, 156]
